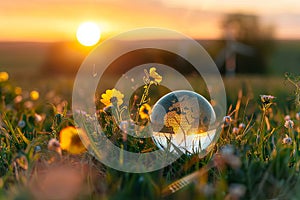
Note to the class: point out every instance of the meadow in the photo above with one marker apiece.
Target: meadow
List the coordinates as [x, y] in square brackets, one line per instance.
[256, 156]
[42, 156]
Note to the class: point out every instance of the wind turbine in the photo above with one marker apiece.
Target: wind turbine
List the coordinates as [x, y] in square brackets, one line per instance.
[228, 54]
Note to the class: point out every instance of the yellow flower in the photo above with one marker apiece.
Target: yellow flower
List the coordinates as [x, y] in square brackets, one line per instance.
[34, 95]
[3, 76]
[154, 76]
[111, 97]
[145, 111]
[18, 90]
[70, 140]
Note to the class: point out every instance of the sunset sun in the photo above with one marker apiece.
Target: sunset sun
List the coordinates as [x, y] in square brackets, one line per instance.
[88, 34]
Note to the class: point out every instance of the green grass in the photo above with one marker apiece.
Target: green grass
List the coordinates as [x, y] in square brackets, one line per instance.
[250, 164]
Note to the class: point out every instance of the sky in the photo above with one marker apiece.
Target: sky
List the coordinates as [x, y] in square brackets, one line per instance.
[57, 20]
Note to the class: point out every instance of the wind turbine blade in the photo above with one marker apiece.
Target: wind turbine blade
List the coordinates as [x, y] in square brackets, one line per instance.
[242, 48]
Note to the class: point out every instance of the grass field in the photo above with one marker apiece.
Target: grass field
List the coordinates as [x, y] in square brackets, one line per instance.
[42, 157]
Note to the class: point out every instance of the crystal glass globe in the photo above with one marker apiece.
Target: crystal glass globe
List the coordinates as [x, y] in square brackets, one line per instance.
[183, 119]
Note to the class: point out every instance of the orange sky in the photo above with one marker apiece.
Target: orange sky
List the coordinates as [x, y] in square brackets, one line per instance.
[56, 20]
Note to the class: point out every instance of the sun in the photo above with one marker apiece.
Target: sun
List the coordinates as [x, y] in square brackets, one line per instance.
[88, 33]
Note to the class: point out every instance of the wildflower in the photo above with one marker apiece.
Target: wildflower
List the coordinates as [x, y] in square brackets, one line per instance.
[152, 77]
[112, 97]
[21, 123]
[53, 145]
[235, 130]
[287, 140]
[18, 90]
[3, 76]
[145, 111]
[298, 115]
[18, 99]
[287, 118]
[37, 149]
[34, 95]
[226, 121]
[70, 140]
[289, 124]
[266, 99]
[242, 126]
[38, 118]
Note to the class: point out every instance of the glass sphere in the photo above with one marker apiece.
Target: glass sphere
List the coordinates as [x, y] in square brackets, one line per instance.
[183, 119]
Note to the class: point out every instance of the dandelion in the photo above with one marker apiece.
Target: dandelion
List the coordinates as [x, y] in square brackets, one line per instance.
[70, 140]
[152, 77]
[289, 124]
[287, 140]
[112, 97]
[3, 76]
[145, 111]
[53, 145]
[34, 95]
[18, 90]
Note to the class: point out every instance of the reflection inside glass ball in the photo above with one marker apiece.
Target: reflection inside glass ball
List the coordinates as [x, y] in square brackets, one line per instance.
[184, 119]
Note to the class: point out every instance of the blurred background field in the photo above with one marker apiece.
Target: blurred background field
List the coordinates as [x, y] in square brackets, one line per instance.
[47, 66]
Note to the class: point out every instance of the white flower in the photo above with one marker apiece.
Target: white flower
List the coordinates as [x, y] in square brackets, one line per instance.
[287, 118]
[226, 121]
[289, 124]
[266, 99]
[287, 140]
[235, 130]
[53, 145]
[242, 126]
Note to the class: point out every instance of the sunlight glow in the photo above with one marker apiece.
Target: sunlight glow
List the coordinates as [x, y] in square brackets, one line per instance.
[88, 34]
